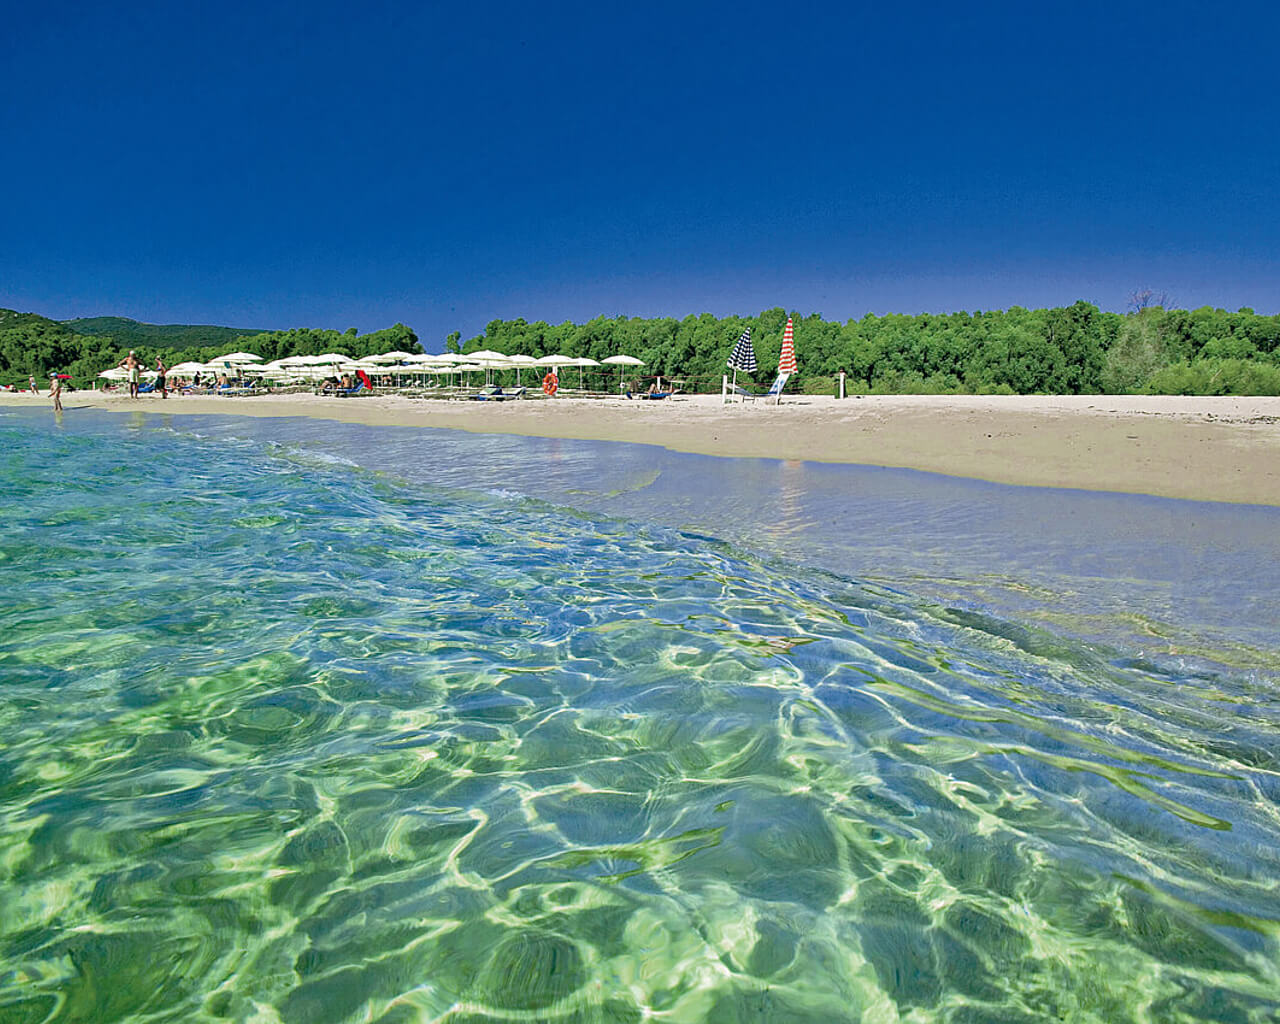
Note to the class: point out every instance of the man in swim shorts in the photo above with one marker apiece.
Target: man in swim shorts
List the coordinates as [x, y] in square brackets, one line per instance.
[161, 371]
[133, 364]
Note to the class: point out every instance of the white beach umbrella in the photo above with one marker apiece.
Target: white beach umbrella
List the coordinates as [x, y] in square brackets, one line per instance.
[580, 362]
[467, 367]
[188, 367]
[621, 361]
[392, 357]
[521, 361]
[490, 361]
[330, 358]
[239, 357]
[115, 373]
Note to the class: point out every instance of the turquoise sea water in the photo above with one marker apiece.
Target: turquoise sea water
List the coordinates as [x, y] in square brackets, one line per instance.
[305, 722]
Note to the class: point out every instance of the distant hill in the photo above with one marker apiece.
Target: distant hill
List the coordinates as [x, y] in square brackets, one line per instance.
[133, 333]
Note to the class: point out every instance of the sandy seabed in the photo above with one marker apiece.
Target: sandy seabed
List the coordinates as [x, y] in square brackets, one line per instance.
[1207, 449]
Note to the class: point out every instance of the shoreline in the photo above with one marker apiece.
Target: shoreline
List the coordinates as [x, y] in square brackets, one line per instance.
[1198, 448]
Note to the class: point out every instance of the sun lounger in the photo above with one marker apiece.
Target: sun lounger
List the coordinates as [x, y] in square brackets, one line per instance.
[497, 394]
[774, 392]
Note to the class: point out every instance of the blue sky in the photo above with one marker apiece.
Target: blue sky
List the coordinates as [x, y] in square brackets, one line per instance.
[337, 165]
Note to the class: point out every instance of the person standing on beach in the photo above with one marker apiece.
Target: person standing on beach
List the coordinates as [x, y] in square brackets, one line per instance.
[32, 379]
[55, 391]
[133, 364]
[161, 370]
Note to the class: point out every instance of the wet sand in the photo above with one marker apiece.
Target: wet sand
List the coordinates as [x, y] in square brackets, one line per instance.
[1207, 449]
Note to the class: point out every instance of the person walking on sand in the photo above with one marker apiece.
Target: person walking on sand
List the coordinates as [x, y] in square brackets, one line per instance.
[133, 364]
[32, 379]
[55, 391]
[161, 370]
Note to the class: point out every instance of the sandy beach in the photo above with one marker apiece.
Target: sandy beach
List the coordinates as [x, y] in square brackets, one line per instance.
[1207, 449]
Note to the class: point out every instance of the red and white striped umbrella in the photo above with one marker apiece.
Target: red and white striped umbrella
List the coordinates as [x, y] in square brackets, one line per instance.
[787, 361]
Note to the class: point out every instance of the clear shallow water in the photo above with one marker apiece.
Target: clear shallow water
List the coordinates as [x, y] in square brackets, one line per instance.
[1190, 584]
[286, 739]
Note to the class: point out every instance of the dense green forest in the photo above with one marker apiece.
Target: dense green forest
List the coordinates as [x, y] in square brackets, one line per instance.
[1071, 350]
[1075, 349]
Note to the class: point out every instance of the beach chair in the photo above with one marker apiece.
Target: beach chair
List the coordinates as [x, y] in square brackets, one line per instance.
[750, 396]
[497, 394]
[348, 392]
[775, 392]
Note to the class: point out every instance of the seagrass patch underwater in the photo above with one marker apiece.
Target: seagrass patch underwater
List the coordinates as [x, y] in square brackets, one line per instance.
[287, 739]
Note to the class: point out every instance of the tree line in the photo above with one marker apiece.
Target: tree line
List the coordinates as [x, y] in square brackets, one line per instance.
[1075, 349]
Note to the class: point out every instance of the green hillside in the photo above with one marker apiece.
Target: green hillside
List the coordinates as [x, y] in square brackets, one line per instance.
[134, 333]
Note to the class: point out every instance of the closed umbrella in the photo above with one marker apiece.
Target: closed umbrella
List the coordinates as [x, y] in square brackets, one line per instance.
[786, 360]
[743, 357]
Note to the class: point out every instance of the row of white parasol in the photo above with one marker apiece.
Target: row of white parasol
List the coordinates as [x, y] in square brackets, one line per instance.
[399, 363]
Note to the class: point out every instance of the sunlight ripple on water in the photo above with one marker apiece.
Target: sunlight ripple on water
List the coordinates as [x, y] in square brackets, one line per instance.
[286, 739]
